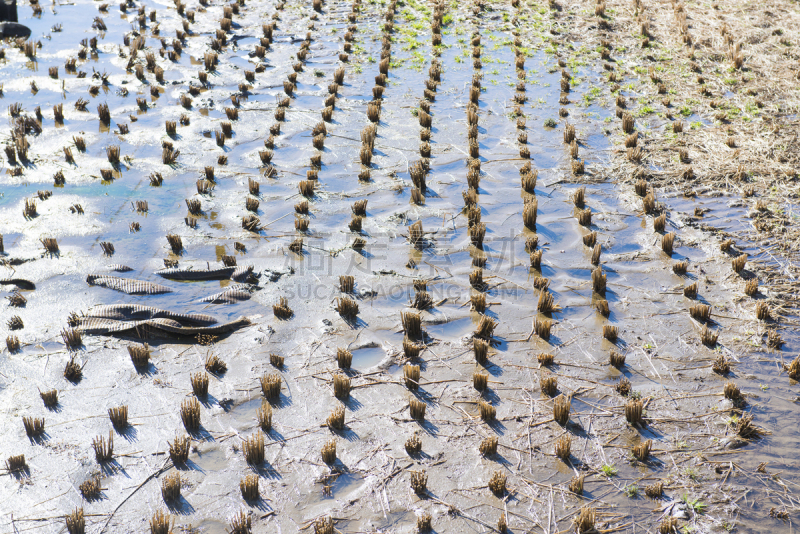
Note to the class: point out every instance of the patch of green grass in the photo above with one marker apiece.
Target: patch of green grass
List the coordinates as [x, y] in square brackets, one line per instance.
[645, 110]
[697, 505]
[632, 491]
[550, 123]
[609, 470]
[696, 125]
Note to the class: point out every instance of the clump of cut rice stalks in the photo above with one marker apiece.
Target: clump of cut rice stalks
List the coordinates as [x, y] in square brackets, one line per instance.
[412, 324]
[424, 522]
[488, 412]
[346, 283]
[419, 482]
[579, 197]
[249, 488]
[616, 359]
[347, 308]
[50, 245]
[528, 180]
[585, 521]
[411, 376]
[240, 523]
[175, 243]
[545, 359]
[485, 328]
[103, 450]
[171, 487]
[547, 303]
[215, 365]
[73, 370]
[341, 386]
[762, 311]
[497, 484]
[667, 242]
[119, 417]
[529, 212]
[344, 358]
[480, 348]
[649, 203]
[602, 307]
[140, 355]
[271, 386]
[76, 523]
[610, 332]
[34, 426]
[746, 429]
[190, 415]
[598, 249]
[411, 350]
[488, 447]
[590, 239]
[563, 447]
[751, 287]
[654, 491]
[680, 267]
[642, 451]
[329, 452]
[585, 217]
[633, 411]
[264, 416]
[561, 408]
[548, 383]
[576, 485]
[16, 299]
[480, 381]
[415, 233]
[422, 301]
[722, 366]
[690, 291]
[282, 309]
[179, 450]
[732, 391]
[542, 328]
[708, 336]
[623, 387]
[200, 384]
[417, 408]
[335, 420]
[49, 398]
[253, 448]
[599, 280]
[536, 259]
[90, 489]
[659, 223]
[738, 263]
[700, 312]
[413, 445]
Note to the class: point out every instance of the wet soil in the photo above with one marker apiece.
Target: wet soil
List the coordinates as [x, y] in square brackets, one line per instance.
[713, 479]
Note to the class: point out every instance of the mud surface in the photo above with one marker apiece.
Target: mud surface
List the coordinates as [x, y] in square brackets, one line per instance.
[716, 475]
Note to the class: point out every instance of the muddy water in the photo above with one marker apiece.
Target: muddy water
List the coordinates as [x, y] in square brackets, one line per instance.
[665, 360]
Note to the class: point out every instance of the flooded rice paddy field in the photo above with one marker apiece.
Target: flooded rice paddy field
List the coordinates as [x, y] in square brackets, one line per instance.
[472, 305]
